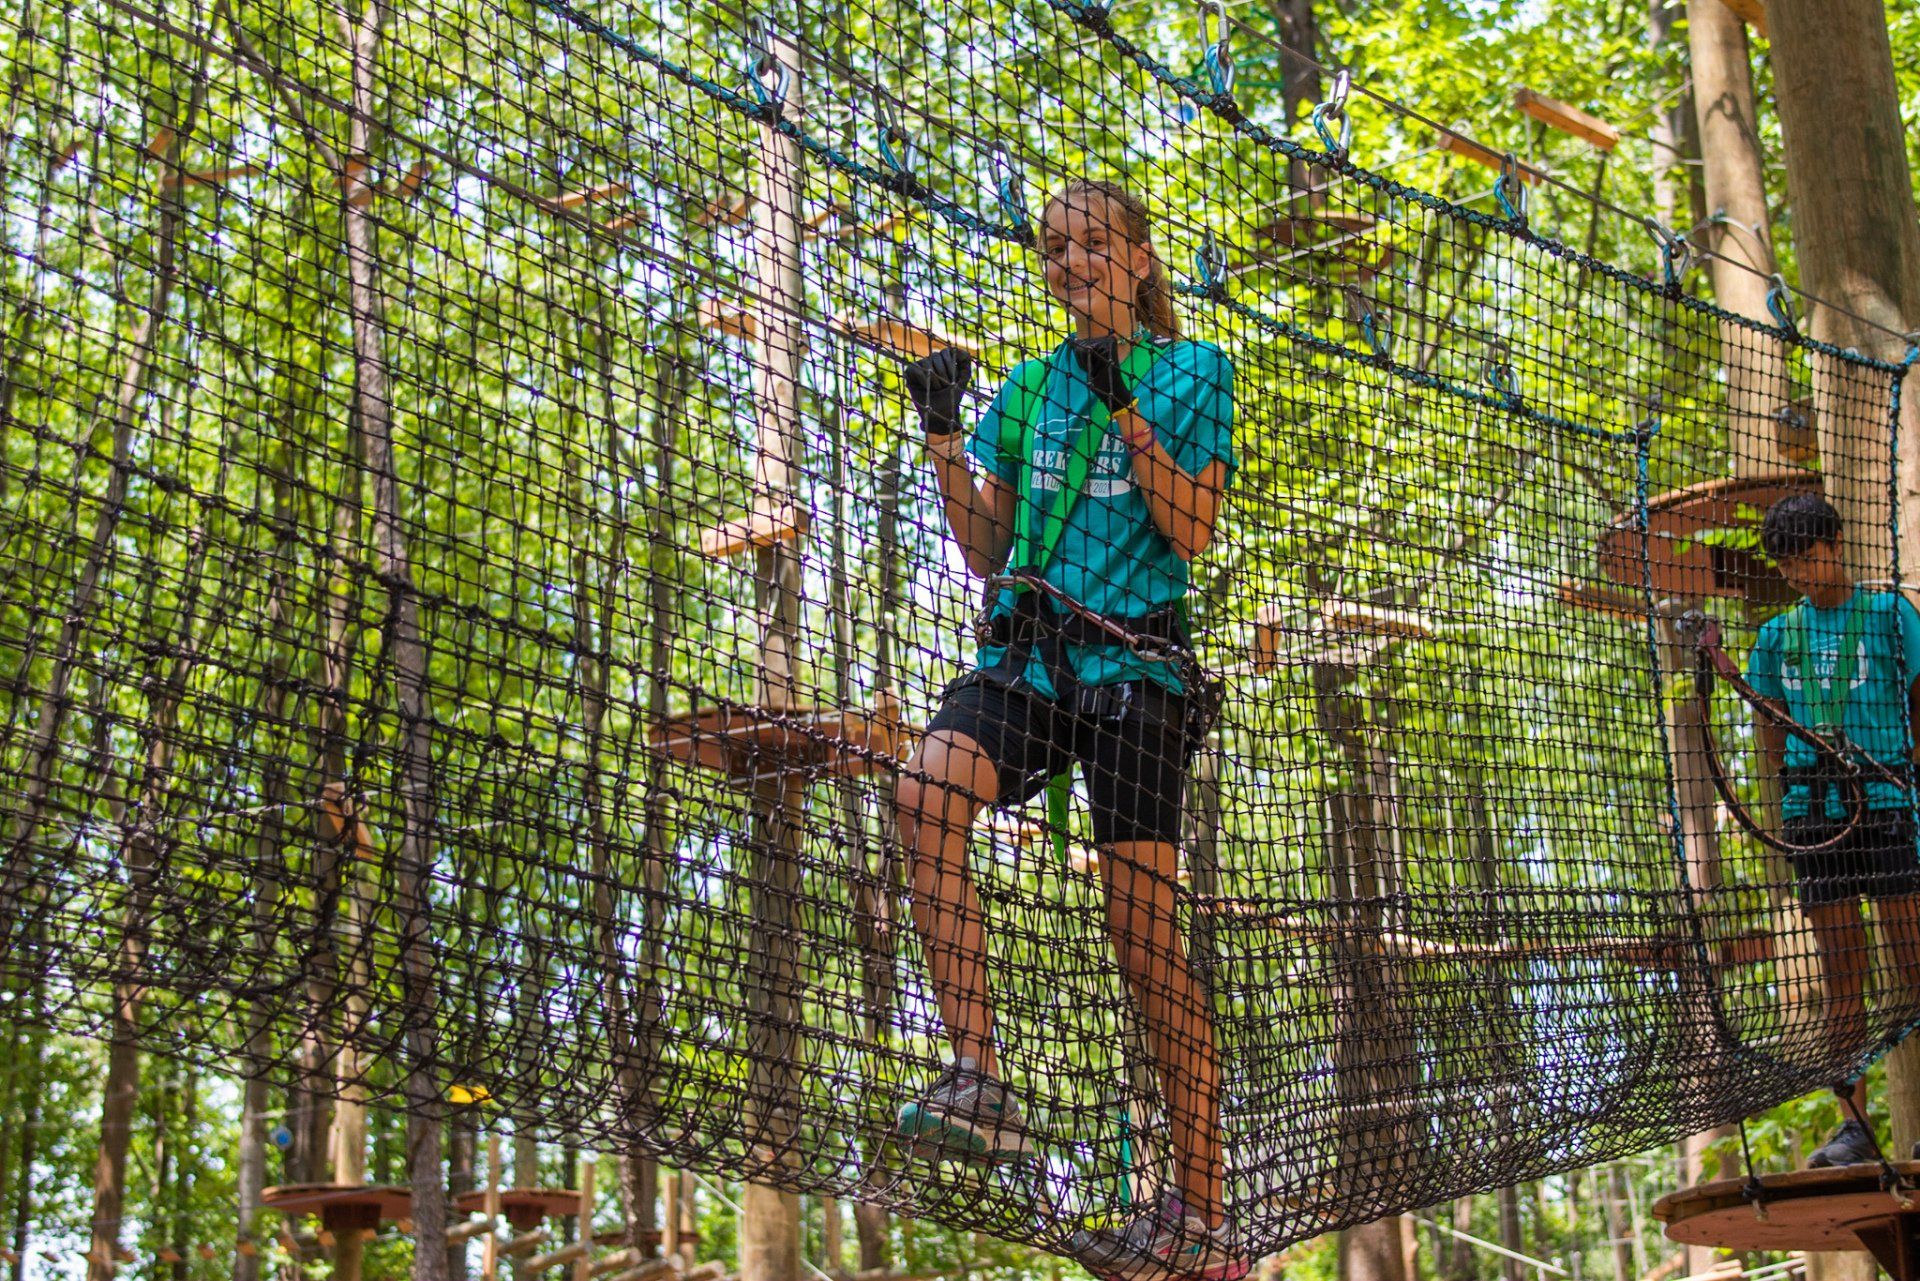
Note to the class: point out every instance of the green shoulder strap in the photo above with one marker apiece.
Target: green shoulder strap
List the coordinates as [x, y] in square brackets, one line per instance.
[1031, 380]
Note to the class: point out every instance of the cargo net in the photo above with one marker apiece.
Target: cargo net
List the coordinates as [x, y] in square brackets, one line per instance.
[476, 590]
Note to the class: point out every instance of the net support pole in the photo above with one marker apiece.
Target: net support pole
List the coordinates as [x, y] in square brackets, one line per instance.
[770, 1218]
[1695, 805]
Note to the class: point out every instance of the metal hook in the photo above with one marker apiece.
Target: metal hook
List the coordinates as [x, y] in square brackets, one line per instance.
[1510, 191]
[1335, 108]
[1780, 303]
[761, 60]
[892, 136]
[1214, 30]
[1210, 265]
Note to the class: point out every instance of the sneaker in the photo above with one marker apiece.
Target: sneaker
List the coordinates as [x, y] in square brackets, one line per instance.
[1850, 1145]
[1167, 1244]
[966, 1114]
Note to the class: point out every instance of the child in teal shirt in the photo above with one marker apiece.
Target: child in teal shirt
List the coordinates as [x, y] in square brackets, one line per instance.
[1845, 663]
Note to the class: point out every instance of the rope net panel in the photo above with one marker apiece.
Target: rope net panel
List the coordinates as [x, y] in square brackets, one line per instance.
[476, 586]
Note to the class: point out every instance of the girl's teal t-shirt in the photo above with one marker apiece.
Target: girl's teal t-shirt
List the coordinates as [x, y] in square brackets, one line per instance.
[1886, 663]
[1110, 557]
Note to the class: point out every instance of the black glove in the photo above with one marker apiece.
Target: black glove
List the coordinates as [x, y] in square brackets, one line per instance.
[935, 382]
[1100, 357]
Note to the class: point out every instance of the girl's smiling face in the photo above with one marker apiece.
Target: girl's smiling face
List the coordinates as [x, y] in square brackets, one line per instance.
[1091, 264]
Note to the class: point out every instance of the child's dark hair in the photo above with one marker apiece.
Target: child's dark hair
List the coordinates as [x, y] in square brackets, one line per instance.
[1795, 524]
[1153, 299]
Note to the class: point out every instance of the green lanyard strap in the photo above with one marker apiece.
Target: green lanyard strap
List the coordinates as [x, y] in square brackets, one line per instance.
[1032, 380]
[1827, 700]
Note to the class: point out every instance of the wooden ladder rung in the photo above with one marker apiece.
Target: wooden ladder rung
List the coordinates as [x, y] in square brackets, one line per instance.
[527, 1241]
[1480, 153]
[750, 533]
[554, 1258]
[728, 317]
[588, 195]
[1567, 119]
[469, 1230]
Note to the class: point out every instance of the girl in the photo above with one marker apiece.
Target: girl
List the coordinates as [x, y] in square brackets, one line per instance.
[1104, 465]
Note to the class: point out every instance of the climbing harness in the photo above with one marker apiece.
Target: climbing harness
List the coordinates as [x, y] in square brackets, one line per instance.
[1839, 763]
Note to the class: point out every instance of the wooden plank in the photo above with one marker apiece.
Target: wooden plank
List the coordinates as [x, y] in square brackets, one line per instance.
[902, 337]
[1358, 618]
[522, 1244]
[554, 1258]
[1752, 12]
[725, 211]
[589, 195]
[649, 1270]
[624, 221]
[750, 533]
[161, 141]
[1461, 145]
[210, 177]
[1268, 625]
[619, 1260]
[1567, 119]
[729, 318]
[468, 1231]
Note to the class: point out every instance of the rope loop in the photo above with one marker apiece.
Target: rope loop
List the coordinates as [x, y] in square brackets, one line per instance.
[1219, 58]
[1210, 265]
[1510, 191]
[761, 60]
[1335, 109]
[1780, 304]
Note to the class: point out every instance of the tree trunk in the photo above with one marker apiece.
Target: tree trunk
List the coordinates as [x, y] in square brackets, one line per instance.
[413, 763]
[29, 1134]
[462, 1142]
[1619, 1222]
[1740, 236]
[770, 1221]
[1857, 239]
[1678, 201]
[769, 1234]
[1374, 1251]
[250, 1177]
[1510, 1235]
[874, 1227]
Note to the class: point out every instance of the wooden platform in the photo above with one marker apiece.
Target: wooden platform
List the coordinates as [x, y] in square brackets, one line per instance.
[1684, 567]
[341, 1207]
[741, 741]
[524, 1208]
[1842, 1208]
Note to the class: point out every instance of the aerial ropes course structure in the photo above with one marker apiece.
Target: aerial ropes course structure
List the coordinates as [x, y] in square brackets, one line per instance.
[475, 585]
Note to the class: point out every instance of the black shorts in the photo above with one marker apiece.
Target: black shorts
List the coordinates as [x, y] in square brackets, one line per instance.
[1878, 858]
[1135, 762]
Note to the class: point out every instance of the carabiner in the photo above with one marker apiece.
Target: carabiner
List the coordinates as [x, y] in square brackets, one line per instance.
[1780, 303]
[1676, 254]
[1214, 30]
[1010, 190]
[1511, 191]
[1378, 334]
[1210, 265]
[760, 60]
[892, 136]
[1335, 108]
[1501, 378]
